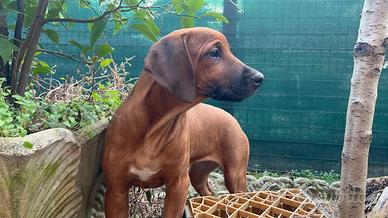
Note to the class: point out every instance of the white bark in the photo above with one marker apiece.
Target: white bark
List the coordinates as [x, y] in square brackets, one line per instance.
[369, 53]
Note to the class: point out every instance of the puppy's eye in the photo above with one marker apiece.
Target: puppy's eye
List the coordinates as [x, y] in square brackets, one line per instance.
[215, 53]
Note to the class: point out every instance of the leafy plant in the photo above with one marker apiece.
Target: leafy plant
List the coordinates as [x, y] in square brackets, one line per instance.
[190, 9]
[20, 115]
[26, 111]
[19, 54]
[7, 127]
[328, 176]
[32, 115]
[259, 174]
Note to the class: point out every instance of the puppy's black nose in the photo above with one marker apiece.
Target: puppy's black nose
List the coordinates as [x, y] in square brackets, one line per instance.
[257, 77]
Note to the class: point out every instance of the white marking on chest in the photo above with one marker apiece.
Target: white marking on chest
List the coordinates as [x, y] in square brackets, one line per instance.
[143, 174]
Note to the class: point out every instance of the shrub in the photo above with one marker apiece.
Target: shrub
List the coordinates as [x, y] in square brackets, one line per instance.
[21, 115]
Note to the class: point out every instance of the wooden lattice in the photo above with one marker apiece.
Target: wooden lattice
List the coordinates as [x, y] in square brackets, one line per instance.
[281, 204]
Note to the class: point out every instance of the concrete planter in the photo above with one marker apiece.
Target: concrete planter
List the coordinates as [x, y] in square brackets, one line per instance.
[59, 177]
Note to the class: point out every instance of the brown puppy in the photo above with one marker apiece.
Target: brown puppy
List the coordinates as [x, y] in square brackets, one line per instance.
[154, 137]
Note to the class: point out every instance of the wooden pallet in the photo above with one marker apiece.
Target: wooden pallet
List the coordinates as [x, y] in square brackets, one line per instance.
[284, 203]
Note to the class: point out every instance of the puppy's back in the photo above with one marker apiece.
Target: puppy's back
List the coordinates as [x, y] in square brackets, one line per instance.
[214, 131]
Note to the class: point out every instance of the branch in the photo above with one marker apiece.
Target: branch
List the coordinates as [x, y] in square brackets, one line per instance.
[72, 20]
[63, 55]
[90, 7]
[17, 40]
[236, 5]
[106, 13]
[184, 15]
[19, 22]
[28, 47]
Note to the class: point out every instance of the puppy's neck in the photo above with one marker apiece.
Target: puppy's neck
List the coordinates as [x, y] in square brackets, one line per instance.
[156, 111]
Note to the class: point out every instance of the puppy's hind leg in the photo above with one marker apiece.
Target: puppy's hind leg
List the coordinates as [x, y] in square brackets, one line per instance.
[199, 173]
[235, 180]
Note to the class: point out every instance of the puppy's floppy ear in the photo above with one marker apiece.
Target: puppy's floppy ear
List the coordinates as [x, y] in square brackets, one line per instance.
[170, 64]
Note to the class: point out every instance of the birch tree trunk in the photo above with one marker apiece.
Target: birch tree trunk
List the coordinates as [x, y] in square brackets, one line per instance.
[368, 53]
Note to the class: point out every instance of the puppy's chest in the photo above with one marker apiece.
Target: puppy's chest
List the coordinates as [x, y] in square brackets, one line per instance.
[148, 171]
[153, 161]
[143, 173]
[143, 166]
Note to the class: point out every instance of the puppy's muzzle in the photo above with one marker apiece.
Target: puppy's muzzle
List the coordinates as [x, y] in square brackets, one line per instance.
[256, 78]
[241, 87]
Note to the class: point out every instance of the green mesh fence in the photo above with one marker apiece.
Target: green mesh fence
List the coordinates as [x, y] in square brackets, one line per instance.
[296, 119]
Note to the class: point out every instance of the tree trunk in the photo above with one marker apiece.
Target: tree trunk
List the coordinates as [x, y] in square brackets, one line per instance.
[28, 48]
[4, 67]
[17, 41]
[368, 53]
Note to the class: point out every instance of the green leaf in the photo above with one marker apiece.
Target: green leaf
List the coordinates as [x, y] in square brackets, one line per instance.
[52, 35]
[11, 5]
[76, 44]
[111, 6]
[43, 63]
[105, 62]
[22, 132]
[104, 49]
[28, 145]
[7, 11]
[117, 27]
[195, 5]
[187, 22]
[148, 196]
[53, 13]
[42, 68]
[215, 15]
[90, 26]
[152, 26]
[145, 30]
[177, 4]
[63, 6]
[97, 30]
[11, 26]
[6, 49]
[84, 3]
[85, 50]
[29, 15]
[140, 14]
[69, 25]
[67, 123]
[132, 2]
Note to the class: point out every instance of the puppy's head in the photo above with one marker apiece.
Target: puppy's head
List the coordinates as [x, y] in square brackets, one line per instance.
[197, 62]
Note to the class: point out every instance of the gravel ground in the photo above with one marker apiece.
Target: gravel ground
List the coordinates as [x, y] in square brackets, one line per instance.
[149, 203]
[321, 192]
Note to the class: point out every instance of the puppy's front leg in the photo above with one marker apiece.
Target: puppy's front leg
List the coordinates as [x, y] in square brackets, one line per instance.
[176, 195]
[116, 202]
